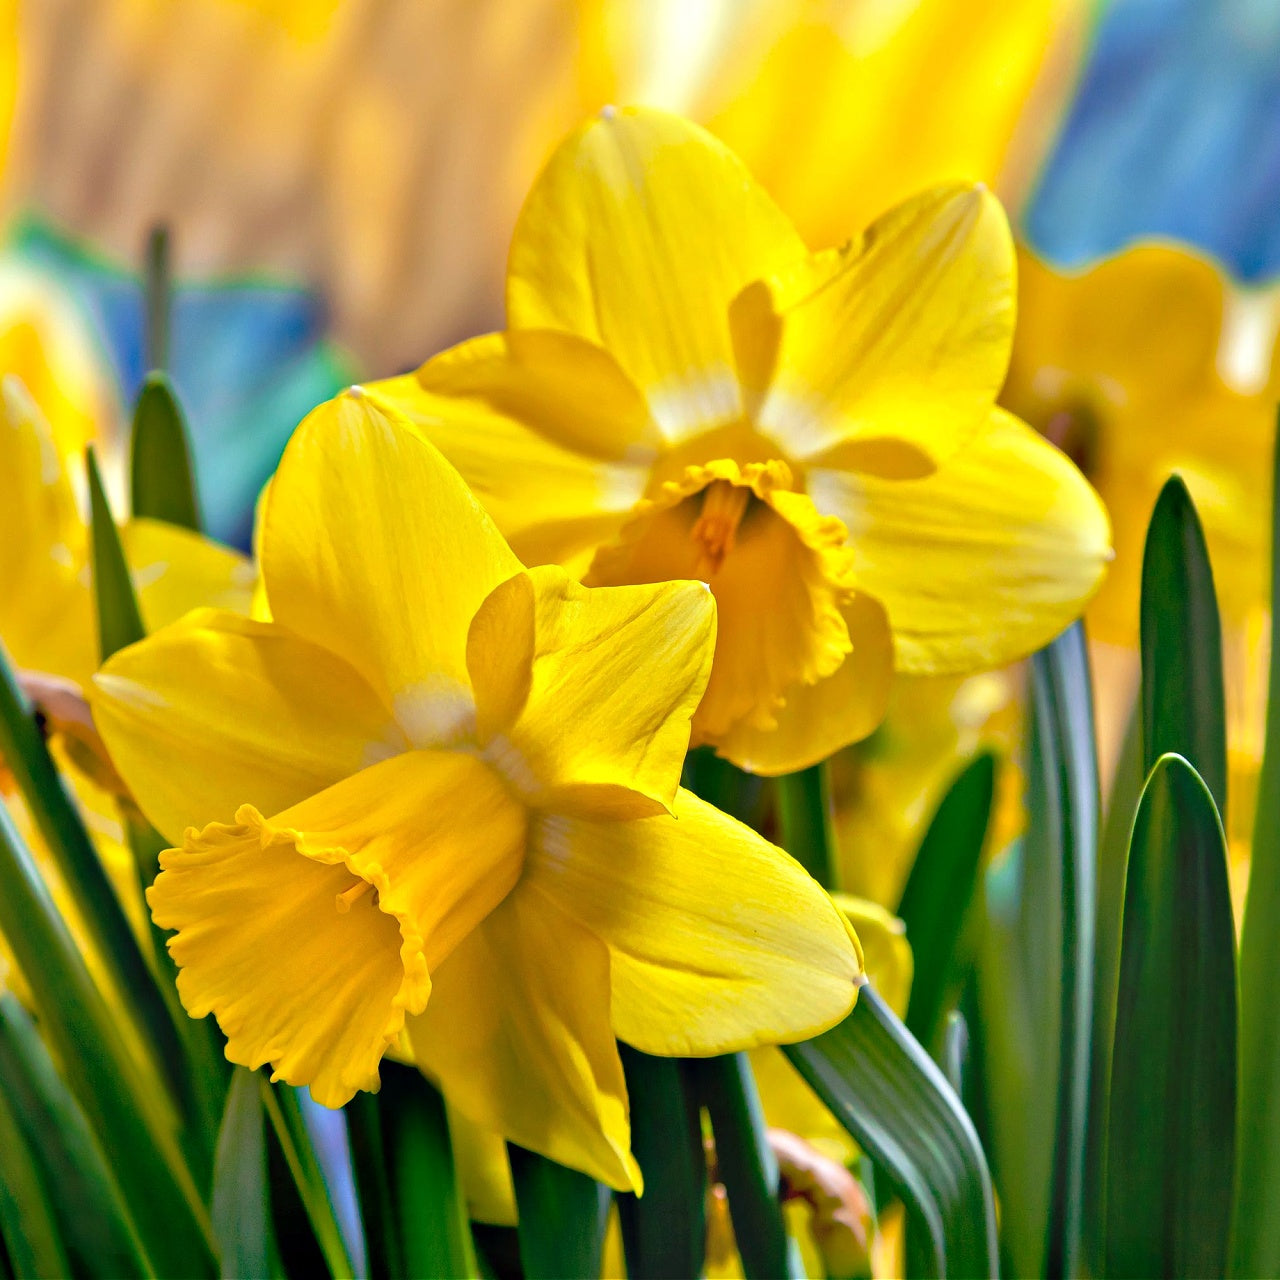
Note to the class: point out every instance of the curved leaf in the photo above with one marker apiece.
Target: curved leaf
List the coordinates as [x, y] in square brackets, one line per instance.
[1172, 1106]
[563, 1215]
[162, 482]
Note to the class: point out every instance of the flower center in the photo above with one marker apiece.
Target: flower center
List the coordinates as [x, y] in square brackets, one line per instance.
[716, 529]
[349, 897]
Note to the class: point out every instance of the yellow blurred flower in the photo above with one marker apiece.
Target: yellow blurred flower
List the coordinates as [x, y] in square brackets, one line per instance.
[472, 775]
[1146, 364]
[671, 400]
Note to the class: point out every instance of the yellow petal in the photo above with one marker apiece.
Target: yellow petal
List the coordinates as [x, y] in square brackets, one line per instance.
[584, 694]
[175, 570]
[217, 711]
[639, 233]
[548, 432]
[374, 548]
[46, 619]
[517, 1032]
[906, 338]
[816, 720]
[720, 941]
[982, 562]
[310, 935]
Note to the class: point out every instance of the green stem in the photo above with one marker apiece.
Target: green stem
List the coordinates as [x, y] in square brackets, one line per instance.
[805, 821]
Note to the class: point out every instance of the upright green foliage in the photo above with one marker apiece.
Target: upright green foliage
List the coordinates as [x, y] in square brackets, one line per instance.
[563, 1214]
[804, 820]
[882, 1086]
[241, 1200]
[1256, 1232]
[158, 297]
[939, 890]
[1172, 1105]
[162, 480]
[119, 618]
[663, 1231]
[1183, 708]
[28, 1227]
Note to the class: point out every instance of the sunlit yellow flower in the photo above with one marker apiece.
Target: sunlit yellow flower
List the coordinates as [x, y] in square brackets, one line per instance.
[471, 774]
[1145, 365]
[685, 391]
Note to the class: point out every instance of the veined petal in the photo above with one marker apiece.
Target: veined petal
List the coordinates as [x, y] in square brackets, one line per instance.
[905, 338]
[637, 236]
[548, 432]
[374, 547]
[584, 694]
[217, 711]
[816, 720]
[310, 935]
[175, 570]
[719, 940]
[982, 562]
[778, 569]
[517, 1032]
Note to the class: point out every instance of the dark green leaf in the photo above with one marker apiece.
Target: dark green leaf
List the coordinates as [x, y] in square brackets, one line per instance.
[162, 479]
[1182, 695]
[119, 619]
[241, 1205]
[804, 819]
[664, 1231]
[27, 1224]
[369, 1158]
[1172, 1108]
[126, 1111]
[158, 297]
[878, 1081]
[563, 1214]
[746, 1165]
[1256, 1233]
[939, 889]
[955, 1051]
[435, 1237]
[92, 1217]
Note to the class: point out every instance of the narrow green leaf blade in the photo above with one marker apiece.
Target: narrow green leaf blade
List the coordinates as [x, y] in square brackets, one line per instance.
[159, 294]
[885, 1089]
[27, 1224]
[119, 619]
[1172, 1106]
[241, 1205]
[1183, 706]
[939, 889]
[563, 1215]
[162, 476]
[805, 821]
[92, 1216]
[373, 1184]
[746, 1164]
[1256, 1231]
[664, 1231]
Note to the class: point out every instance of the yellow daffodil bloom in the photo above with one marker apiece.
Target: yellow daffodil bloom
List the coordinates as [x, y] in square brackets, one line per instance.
[1139, 367]
[439, 792]
[684, 390]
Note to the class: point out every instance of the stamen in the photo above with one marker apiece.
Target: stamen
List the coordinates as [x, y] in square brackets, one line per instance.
[716, 529]
[346, 900]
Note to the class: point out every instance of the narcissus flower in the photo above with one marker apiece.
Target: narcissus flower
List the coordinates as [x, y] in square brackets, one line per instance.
[684, 390]
[438, 792]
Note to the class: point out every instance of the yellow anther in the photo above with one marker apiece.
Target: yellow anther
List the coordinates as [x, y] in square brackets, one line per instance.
[716, 529]
[348, 899]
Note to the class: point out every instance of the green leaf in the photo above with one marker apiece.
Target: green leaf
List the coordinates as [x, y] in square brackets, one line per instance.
[746, 1164]
[563, 1215]
[435, 1236]
[281, 1106]
[935, 901]
[878, 1081]
[158, 297]
[805, 821]
[241, 1204]
[377, 1209]
[1172, 1105]
[162, 478]
[1182, 695]
[121, 1103]
[119, 619]
[1256, 1232]
[664, 1232]
[93, 1219]
[27, 1224]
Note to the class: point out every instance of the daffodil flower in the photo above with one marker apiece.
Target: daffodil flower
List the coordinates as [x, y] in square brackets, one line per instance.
[439, 793]
[685, 391]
